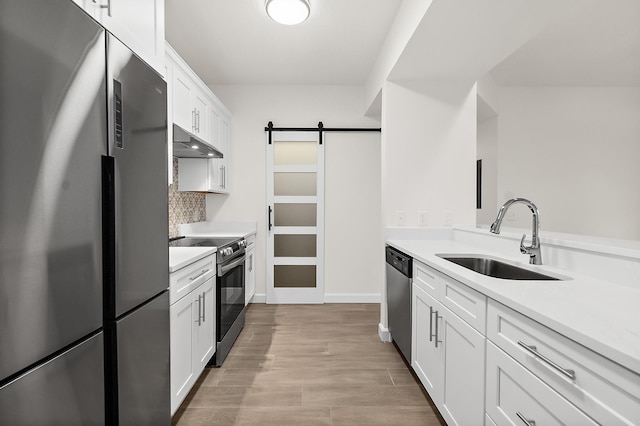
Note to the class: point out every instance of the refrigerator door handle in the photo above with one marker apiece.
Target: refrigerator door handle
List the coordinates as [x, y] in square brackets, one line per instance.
[109, 234]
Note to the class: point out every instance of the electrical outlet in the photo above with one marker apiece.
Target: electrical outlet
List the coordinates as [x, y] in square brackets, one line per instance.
[447, 218]
[401, 218]
[423, 218]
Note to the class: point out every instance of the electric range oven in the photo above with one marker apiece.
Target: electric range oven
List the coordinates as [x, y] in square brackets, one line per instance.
[230, 289]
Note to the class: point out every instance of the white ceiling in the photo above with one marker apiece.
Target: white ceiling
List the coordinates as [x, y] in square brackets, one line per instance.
[235, 42]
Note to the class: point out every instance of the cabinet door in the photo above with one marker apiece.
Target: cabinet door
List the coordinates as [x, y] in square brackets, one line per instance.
[139, 24]
[223, 138]
[514, 395]
[182, 368]
[463, 365]
[250, 277]
[200, 107]
[168, 69]
[183, 115]
[204, 325]
[218, 172]
[214, 127]
[215, 165]
[193, 174]
[426, 358]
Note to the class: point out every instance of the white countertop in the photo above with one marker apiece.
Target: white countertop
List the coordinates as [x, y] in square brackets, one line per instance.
[179, 257]
[602, 316]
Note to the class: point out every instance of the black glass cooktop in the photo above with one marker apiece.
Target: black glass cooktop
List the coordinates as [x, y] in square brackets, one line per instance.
[200, 242]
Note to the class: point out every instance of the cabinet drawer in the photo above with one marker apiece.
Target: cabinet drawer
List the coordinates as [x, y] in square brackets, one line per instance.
[515, 396]
[427, 278]
[607, 392]
[184, 280]
[465, 302]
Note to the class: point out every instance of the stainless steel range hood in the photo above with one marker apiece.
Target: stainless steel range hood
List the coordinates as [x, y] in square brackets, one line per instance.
[188, 145]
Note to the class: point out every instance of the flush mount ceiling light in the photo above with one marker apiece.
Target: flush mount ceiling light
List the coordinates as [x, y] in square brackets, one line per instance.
[288, 12]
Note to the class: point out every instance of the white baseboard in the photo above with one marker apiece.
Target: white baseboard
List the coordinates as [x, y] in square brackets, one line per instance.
[351, 298]
[258, 298]
[384, 333]
[331, 298]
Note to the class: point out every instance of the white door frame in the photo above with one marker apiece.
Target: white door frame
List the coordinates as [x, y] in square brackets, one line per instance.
[295, 294]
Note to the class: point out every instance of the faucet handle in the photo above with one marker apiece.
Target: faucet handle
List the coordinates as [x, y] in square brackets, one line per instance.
[524, 249]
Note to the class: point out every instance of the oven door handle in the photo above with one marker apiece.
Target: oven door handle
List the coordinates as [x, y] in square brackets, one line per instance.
[226, 268]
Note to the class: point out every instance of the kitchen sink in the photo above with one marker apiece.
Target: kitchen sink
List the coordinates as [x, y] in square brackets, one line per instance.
[497, 269]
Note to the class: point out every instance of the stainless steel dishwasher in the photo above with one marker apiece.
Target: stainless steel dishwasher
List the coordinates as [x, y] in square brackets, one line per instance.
[399, 269]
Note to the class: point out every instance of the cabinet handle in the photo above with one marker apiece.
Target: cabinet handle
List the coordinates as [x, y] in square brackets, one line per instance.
[204, 271]
[204, 307]
[108, 7]
[269, 217]
[525, 420]
[193, 120]
[199, 320]
[198, 120]
[431, 311]
[436, 334]
[533, 350]
[223, 170]
[251, 263]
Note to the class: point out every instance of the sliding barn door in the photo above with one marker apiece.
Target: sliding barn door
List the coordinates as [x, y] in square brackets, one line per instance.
[295, 208]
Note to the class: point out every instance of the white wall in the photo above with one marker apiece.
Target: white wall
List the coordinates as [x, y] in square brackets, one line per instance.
[304, 106]
[429, 153]
[353, 217]
[428, 156]
[407, 19]
[573, 151]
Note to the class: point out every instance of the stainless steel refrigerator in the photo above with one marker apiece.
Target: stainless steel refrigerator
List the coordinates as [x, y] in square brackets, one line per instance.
[84, 310]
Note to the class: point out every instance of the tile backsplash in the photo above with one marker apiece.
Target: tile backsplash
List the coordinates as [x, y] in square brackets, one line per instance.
[184, 207]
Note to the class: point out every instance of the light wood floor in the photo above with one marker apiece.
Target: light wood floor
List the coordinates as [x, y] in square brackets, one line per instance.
[309, 365]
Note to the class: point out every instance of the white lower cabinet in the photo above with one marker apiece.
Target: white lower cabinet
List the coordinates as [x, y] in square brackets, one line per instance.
[426, 358]
[192, 338]
[594, 387]
[534, 375]
[516, 396]
[448, 356]
[204, 325]
[250, 270]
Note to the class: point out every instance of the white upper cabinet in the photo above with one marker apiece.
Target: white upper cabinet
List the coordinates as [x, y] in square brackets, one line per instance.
[182, 88]
[191, 100]
[139, 24]
[219, 168]
[197, 110]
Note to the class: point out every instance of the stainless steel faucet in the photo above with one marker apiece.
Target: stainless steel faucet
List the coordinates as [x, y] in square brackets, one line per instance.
[535, 257]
